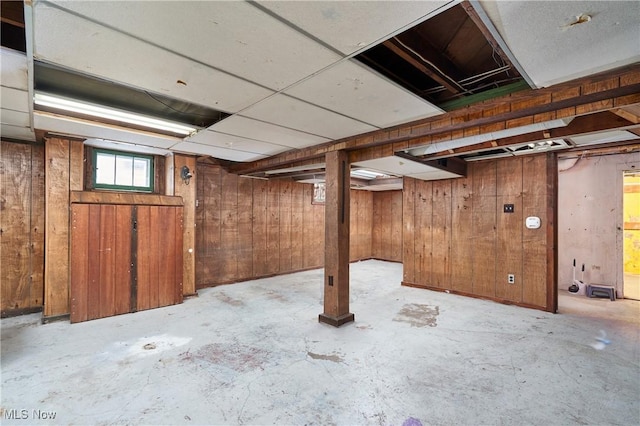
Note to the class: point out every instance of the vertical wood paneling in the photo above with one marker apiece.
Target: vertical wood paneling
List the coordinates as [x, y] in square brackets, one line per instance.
[377, 229]
[509, 250]
[423, 223]
[57, 227]
[144, 267]
[259, 228]
[485, 243]
[462, 248]
[408, 240]
[93, 290]
[484, 228]
[535, 240]
[228, 253]
[245, 233]
[122, 251]
[396, 226]
[297, 225]
[80, 237]
[106, 257]
[308, 225]
[284, 248]
[15, 199]
[273, 227]
[441, 243]
[37, 225]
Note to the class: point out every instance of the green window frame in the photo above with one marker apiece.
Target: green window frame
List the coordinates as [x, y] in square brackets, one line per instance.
[122, 171]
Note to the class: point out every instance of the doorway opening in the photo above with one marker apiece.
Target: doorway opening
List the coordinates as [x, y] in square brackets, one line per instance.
[631, 234]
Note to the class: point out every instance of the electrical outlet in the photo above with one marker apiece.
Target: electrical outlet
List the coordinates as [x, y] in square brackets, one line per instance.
[508, 208]
[511, 279]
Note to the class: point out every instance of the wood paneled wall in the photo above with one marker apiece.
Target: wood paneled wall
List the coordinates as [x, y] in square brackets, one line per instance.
[250, 228]
[457, 237]
[22, 227]
[387, 229]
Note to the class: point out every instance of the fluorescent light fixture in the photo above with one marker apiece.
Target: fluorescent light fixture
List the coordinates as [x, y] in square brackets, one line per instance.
[79, 107]
[367, 174]
[485, 137]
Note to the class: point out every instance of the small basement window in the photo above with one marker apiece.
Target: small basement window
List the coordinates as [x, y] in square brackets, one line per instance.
[122, 171]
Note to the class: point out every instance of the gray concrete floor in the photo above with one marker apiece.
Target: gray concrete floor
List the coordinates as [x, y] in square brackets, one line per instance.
[254, 353]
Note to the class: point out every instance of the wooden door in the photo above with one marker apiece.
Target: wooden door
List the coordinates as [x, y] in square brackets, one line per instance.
[100, 260]
[159, 256]
[124, 258]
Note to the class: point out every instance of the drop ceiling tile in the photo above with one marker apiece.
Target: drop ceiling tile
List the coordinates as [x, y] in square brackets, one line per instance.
[435, 174]
[349, 26]
[208, 137]
[551, 50]
[14, 118]
[111, 55]
[91, 129]
[217, 152]
[14, 99]
[13, 66]
[258, 130]
[355, 91]
[394, 165]
[233, 36]
[295, 114]
[17, 132]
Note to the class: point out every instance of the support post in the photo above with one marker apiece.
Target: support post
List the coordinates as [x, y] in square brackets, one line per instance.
[336, 240]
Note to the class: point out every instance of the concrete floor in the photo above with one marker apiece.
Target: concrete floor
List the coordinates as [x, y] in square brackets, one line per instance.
[254, 353]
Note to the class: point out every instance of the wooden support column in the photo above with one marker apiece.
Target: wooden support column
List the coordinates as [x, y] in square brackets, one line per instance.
[336, 249]
[187, 190]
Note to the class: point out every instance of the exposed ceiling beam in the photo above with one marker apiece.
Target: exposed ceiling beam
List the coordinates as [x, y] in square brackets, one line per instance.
[441, 71]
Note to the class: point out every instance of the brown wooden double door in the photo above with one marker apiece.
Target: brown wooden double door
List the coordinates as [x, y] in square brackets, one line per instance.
[124, 258]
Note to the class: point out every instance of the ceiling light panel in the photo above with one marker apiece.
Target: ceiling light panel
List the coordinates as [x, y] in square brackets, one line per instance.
[112, 55]
[266, 132]
[349, 26]
[233, 36]
[355, 91]
[223, 140]
[217, 152]
[567, 47]
[295, 114]
[91, 129]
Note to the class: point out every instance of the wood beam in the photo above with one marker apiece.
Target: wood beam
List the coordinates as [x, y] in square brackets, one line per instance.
[336, 240]
[423, 65]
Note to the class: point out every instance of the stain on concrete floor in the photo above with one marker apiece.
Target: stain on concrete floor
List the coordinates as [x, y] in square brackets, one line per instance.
[333, 358]
[223, 297]
[418, 315]
[237, 357]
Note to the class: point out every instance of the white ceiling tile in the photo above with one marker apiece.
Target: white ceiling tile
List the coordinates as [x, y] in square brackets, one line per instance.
[394, 165]
[14, 99]
[233, 36]
[14, 118]
[254, 129]
[13, 66]
[217, 152]
[349, 26]
[355, 91]
[292, 113]
[17, 132]
[435, 174]
[604, 137]
[207, 137]
[551, 50]
[109, 54]
[90, 129]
